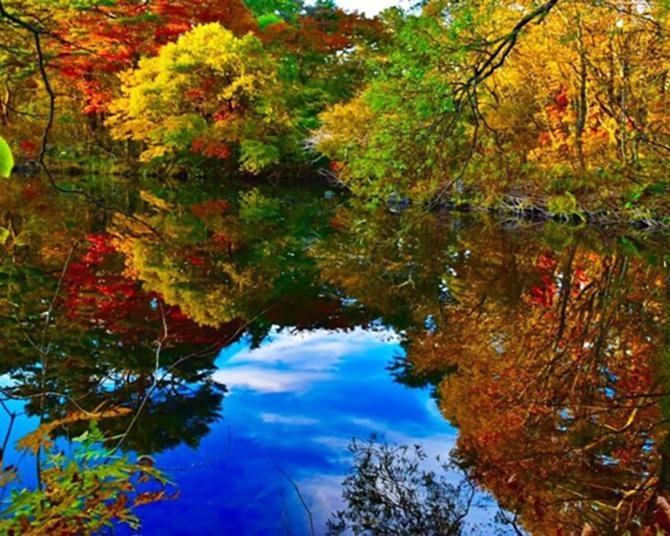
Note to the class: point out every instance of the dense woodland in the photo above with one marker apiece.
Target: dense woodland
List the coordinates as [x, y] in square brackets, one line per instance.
[142, 146]
[559, 105]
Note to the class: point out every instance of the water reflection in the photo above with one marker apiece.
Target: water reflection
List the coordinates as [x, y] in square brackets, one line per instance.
[556, 393]
[293, 406]
[390, 491]
[548, 352]
[255, 335]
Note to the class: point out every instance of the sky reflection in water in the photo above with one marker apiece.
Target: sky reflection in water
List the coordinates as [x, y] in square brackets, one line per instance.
[293, 407]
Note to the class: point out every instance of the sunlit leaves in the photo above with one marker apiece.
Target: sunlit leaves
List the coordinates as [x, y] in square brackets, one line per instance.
[6, 159]
[577, 104]
[84, 494]
[199, 94]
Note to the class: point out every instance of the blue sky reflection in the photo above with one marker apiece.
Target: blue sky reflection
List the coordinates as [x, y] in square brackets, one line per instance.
[294, 405]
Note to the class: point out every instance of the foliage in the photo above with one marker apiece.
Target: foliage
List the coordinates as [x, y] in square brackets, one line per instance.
[562, 205]
[573, 102]
[472, 100]
[200, 93]
[86, 492]
[390, 491]
[103, 39]
[283, 10]
[397, 134]
[108, 64]
[6, 159]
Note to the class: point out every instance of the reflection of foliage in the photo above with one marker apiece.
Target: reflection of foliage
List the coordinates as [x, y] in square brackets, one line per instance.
[172, 416]
[218, 264]
[97, 350]
[84, 493]
[108, 309]
[555, 391]
[256, 207]
[392, 264]
[391, 493]
[555, 396]
[543, 349]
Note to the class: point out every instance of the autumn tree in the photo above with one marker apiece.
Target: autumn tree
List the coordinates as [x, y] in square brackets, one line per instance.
[210, 93]
[99, 40]
[489, 98]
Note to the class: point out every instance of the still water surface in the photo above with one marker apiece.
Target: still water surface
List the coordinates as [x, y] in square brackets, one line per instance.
[534, 356]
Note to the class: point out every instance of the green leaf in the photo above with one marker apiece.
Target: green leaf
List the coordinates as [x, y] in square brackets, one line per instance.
[6, 159]
[629, 247]
[269, 19]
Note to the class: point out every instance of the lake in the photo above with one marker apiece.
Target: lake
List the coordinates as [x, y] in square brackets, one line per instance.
[282, 352]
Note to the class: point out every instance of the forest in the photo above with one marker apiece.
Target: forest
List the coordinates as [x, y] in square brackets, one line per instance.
[476, 190]
[557, 106]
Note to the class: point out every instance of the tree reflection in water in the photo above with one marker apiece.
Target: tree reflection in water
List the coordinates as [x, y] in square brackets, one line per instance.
[547, 348]
[390, 491]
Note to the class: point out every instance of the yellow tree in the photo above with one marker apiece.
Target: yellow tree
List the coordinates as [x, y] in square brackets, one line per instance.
[209, 93]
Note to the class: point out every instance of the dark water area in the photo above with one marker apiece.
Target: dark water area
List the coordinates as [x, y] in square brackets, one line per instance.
[261, 343]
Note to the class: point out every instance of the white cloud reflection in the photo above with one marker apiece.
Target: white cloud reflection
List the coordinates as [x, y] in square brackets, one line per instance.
[294, 361]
